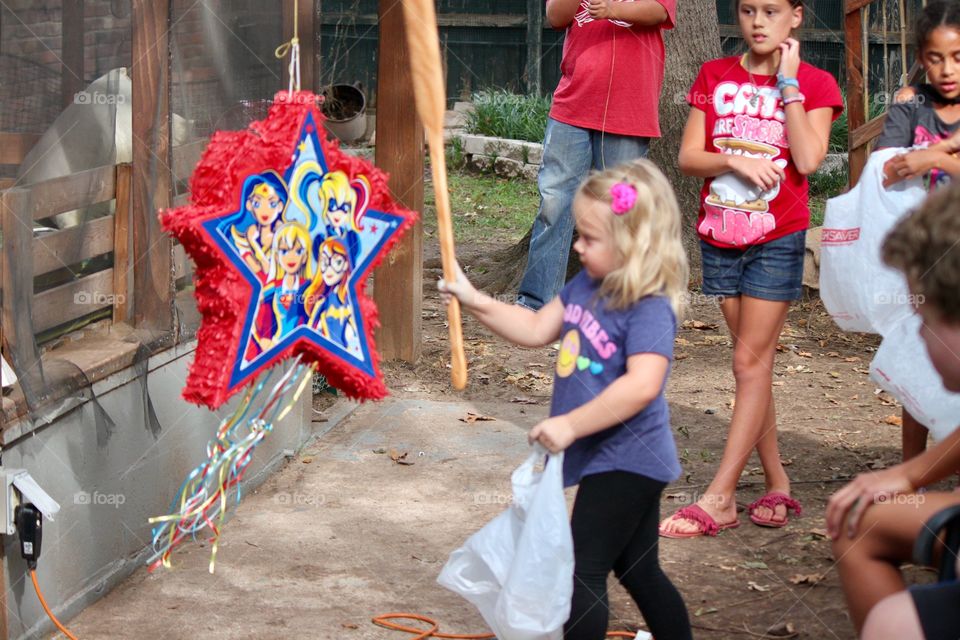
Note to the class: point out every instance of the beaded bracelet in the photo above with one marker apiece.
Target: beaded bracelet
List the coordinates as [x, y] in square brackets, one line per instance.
[797, 98]
[783, 82]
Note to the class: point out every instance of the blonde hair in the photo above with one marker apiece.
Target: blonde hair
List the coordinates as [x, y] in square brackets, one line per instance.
[336, 186]
[647, 237]
[290, 234]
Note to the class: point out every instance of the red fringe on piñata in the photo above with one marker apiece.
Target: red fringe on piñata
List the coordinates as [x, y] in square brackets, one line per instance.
[223, 294]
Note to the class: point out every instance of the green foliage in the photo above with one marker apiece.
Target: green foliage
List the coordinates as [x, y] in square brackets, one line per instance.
[823, 186]
[486, 207]
[840, 129]
[502, 114]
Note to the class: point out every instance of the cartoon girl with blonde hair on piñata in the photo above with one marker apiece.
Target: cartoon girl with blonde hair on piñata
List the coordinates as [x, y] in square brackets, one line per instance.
[290, 274]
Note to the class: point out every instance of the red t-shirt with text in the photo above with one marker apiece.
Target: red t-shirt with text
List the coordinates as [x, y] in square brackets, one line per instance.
[611, 75]
[744, 116]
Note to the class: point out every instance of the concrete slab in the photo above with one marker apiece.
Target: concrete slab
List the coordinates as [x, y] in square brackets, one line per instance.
[341, 534]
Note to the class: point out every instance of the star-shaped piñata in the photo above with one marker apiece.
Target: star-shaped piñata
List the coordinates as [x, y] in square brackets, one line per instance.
[284, 228]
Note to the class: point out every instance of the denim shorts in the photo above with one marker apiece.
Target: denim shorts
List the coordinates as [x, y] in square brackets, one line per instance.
[769, 271]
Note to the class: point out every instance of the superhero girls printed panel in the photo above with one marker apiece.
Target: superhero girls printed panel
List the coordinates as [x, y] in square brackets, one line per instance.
[304, 240]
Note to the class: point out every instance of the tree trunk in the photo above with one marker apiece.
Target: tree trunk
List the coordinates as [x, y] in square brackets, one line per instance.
[695, 40]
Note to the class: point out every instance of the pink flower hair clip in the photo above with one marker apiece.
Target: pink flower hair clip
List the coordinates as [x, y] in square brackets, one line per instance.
[624, 197]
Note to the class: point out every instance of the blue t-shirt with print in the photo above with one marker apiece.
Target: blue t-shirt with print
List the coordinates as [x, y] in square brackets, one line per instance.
[595, 344]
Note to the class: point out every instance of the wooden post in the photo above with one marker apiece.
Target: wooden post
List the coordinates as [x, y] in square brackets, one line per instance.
[151, 180]
[71, 71]
[308, 32]
[856, 114]
[16, 222]
[534, 46]
[121, 246]
[398, 283]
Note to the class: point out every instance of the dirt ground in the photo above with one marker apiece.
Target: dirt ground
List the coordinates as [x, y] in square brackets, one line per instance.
[344, 532]
[833, 422]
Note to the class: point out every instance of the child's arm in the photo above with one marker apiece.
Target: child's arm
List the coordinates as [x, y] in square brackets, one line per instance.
[647, 13]
[808, 131]
[516, 324]
[920, 162]
[627, 396]
[696, 161]
[852, 500]
[560, 12]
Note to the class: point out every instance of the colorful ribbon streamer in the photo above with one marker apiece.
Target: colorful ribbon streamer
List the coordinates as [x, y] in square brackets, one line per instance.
[203, 496]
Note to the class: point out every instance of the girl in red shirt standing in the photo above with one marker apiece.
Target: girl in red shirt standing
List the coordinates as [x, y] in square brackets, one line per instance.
[759, 124]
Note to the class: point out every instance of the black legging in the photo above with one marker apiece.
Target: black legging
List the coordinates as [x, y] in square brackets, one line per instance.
[615, 520]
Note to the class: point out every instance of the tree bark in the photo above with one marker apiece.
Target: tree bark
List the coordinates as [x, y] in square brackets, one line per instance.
[695, 40]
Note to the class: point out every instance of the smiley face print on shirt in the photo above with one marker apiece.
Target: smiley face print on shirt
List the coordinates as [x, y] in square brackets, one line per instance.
[570, 358]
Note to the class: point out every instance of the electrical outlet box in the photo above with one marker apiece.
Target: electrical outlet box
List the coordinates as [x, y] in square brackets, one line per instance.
[17, 486]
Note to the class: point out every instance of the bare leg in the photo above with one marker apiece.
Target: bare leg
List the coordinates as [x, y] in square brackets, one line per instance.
[914, 437]
[756, 326]
[868, 564]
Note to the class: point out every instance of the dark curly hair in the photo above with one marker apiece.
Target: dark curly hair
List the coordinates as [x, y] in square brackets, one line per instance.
[938, 13]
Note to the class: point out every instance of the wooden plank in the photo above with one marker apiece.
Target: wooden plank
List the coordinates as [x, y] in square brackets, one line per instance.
[44, 199]
[535, 9]
[856, 114]
[15, 146]
[398, 283]
[852, 6]
[443, 20]
[61, 249]
[71, 67]
[821, 35]
[152, 179]
[867, 133]
[121, 246]
[17, 279]
[72, 300]
[186, 157]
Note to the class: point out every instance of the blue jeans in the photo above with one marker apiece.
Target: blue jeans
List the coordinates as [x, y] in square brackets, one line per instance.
[568, 155]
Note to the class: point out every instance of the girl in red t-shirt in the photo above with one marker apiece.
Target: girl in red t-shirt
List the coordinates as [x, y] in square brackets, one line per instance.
[759, 124]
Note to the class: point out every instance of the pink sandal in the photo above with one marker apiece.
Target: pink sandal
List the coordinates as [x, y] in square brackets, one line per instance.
[771, 501]
[706, 525]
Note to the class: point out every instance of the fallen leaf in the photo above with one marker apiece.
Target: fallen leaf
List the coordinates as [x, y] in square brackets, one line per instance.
[804, 354]
[895, 421]
[852, 359]
[779, 383]
[476, 417]
[753, 586]
[703, 612]
[681, 342]
[833, 354]
[307, 460]
[807, 578]
[696, 324]
[348, 625]
[834, 374]
[523, 400]
[400, 458]
[877, 464]
[754, 565]
[782, 630]
[380, 450]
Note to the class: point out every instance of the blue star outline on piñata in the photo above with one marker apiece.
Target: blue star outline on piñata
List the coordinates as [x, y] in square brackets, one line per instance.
[304, 240]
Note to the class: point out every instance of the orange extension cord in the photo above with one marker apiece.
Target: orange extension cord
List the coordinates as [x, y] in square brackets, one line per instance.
[386, 621]
[36, 586]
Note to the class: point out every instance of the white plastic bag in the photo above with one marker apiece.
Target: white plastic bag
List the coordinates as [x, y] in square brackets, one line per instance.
[903, 369]
[860, 292]
[518, 569]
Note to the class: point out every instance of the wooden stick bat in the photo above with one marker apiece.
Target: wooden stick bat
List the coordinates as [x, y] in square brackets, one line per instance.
[423, 41]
